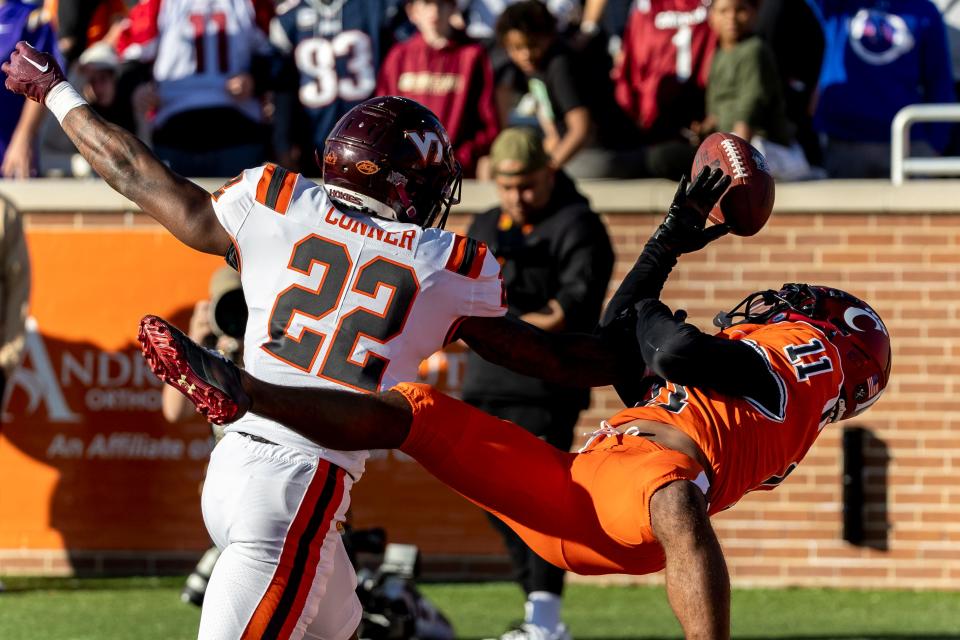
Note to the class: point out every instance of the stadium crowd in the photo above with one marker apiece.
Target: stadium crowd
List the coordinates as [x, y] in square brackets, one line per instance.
[618, 88]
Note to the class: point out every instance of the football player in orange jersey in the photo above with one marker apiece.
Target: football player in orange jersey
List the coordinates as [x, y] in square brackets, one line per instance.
[726, 414]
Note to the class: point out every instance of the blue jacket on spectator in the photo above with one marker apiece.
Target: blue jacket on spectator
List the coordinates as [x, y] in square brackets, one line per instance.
[20, 21]
[881, 55]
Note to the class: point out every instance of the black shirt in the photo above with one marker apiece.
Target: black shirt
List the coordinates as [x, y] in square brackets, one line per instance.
[565, 256]
[570, 80]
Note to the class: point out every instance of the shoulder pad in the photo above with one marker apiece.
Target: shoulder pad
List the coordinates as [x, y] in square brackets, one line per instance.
[275, 187]
[466, 256]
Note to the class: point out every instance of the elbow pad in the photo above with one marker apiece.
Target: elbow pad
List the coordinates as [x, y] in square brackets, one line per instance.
[668, 344]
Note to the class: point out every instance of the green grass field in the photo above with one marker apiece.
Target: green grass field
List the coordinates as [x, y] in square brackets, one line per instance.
[148, 609]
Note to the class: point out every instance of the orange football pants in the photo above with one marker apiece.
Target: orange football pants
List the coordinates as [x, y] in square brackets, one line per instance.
[587, 513]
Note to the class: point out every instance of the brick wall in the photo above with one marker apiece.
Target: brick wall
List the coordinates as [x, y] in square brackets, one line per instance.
[907, 267]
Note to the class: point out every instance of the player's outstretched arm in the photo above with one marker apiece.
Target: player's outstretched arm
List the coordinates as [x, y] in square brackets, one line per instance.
[125, 163]
[582, 360]
[334, 418]
[570, 359]
[682, 231]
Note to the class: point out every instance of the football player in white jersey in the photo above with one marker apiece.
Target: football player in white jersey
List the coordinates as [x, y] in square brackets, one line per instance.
[349, 284]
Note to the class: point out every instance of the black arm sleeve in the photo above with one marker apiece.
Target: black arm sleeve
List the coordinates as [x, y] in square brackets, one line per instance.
[645, 280]
[681, 353]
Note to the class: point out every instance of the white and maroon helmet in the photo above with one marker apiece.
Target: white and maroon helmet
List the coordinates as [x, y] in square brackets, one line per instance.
[391, 157]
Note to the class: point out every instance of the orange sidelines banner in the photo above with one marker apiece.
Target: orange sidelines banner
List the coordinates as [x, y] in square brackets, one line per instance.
[86, 460]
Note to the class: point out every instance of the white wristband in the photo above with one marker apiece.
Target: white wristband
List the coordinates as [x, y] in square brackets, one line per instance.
[63, 99]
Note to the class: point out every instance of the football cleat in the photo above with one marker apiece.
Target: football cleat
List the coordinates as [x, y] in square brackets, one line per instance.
[209, 380]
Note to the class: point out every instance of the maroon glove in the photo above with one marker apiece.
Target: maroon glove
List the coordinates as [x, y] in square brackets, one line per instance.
[31, 73]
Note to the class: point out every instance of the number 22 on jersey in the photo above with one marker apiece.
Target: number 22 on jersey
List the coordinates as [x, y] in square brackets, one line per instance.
[339, 364]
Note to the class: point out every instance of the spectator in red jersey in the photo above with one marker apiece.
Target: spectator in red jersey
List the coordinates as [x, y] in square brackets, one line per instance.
[667, 49]
[585, 132]
[450, 75]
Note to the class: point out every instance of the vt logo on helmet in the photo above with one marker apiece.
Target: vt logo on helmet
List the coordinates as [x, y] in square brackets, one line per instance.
[391, 157]
[849, 323]
[428, 144]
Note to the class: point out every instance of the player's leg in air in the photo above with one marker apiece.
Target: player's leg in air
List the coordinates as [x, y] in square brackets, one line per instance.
[536, 489]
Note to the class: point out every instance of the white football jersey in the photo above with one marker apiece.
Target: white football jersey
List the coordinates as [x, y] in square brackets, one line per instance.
[195, 46]
[342, 299]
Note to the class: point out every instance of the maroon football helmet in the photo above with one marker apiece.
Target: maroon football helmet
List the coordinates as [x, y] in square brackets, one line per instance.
[850, 323]
[391, 157]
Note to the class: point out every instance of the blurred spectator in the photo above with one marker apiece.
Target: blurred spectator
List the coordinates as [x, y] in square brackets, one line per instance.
[14, 291]
[610, 19]
[480, 16]
[447, 73]
[793, 32]
[881, 55]
[82, 23]
[333, 49]
[20, 118]
[667, 49]
[584, 129]
[950, 10]
[556, 261]
[217, 323]
[743, 91]
[209, 59]
[96, 79]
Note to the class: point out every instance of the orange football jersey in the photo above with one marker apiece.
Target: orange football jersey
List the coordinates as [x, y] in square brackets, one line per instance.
[748, 445]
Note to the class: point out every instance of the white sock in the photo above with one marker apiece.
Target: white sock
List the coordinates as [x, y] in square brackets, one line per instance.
[543, 609]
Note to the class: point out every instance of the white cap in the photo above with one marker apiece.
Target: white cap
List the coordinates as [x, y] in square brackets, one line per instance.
[100, 56]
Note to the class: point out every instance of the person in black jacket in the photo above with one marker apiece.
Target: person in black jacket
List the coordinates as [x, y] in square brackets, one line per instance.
[556, 261]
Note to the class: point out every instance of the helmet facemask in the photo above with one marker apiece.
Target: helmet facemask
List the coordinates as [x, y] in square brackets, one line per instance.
[762, 306]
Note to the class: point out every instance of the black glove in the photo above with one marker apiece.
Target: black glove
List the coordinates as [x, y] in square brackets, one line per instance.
[682, 231]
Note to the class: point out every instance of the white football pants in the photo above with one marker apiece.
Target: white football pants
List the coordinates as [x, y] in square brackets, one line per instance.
[283, 572]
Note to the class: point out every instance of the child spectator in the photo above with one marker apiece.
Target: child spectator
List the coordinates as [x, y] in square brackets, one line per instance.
[743, 91]
[450, 75]
[881, 55]
[584, 130]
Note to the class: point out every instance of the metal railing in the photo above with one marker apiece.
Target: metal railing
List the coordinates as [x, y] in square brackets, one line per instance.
[901, 164]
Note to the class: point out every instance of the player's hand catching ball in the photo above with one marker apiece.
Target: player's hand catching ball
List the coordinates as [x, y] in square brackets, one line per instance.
[682, 231]
[31, 73]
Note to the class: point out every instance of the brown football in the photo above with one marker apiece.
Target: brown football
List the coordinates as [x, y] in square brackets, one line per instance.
[748, 202]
